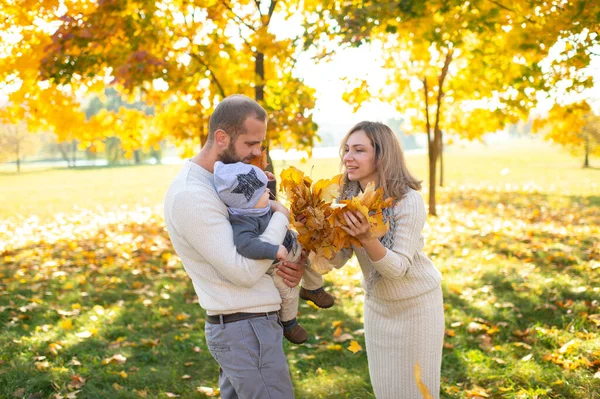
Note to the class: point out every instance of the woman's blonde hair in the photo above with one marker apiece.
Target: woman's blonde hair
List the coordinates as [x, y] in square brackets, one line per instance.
[394, 175]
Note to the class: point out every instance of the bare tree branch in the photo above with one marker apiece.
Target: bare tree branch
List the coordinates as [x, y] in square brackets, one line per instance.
[213, 77]
[237, 17]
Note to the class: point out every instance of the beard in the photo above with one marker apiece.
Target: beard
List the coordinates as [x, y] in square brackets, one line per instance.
[229, 155]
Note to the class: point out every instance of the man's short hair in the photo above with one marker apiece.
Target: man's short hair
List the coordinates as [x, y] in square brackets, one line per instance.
[230, 115]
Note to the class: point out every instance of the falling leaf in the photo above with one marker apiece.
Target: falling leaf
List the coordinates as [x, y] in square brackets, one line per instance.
[422, 387]
[186, 377]
[171, 395]
[141, 393]
[117, 387]
[526, 358]
[354, 347]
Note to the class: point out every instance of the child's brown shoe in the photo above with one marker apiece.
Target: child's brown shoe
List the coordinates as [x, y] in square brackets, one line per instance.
[296, 334]
[319, 297]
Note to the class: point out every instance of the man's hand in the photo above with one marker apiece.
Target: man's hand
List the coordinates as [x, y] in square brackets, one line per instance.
[292, 272]
[277, 206]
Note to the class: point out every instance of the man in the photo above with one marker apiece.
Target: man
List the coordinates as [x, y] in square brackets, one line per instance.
[243, 331]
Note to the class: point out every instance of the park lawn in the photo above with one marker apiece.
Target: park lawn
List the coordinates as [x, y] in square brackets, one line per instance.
[95, 304]
[519, 164]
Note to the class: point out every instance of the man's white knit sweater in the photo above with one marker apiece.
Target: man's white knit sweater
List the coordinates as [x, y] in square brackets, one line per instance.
[199, 228]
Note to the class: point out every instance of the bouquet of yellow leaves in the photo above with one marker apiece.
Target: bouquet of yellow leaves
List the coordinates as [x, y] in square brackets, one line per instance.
[318, 219]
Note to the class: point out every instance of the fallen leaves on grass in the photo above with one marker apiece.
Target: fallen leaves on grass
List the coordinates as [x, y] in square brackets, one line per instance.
[118, 358]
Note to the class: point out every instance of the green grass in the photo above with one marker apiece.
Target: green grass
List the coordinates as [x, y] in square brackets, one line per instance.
[516, 241]
[522, 164]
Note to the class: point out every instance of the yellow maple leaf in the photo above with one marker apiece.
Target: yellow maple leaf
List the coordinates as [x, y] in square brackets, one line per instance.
[338, 331]
[354, 347]
[327, 189]
[66, 324]
[422, 387]
[261, 160]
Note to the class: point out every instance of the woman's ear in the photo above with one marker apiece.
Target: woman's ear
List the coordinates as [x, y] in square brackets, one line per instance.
[222, 138]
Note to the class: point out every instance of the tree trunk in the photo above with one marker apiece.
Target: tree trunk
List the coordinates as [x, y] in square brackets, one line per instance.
[64, 154]
[441, 155]
[18, 150]
[430, 151]
[259, 96]
[74, 151]
[137, 157]
[432, 170]
[436, 146]
[586, 162]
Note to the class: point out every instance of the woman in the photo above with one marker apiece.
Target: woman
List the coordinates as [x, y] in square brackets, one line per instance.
[403, 310]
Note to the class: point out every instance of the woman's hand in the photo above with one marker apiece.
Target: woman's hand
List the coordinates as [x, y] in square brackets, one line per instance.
[358, 226]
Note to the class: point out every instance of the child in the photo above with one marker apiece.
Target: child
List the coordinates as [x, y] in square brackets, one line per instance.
[243, 188]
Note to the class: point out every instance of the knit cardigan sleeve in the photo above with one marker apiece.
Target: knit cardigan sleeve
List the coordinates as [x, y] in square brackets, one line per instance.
[206, 228]
[410, 216]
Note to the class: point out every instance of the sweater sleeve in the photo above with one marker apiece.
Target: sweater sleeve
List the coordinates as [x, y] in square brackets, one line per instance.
[410, 217]
[341, 258]
[248, 242]
[204, 225]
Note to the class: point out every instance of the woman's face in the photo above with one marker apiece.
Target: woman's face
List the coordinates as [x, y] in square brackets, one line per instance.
[359, 159]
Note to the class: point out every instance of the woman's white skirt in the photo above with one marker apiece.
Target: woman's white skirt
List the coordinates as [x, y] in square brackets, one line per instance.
[397, 335]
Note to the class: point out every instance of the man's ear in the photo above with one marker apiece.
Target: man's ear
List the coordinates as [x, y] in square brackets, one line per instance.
[222, 139]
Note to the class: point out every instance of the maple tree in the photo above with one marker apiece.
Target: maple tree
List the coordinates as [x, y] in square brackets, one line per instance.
[180, 56]
[573, 126]
[462, 68]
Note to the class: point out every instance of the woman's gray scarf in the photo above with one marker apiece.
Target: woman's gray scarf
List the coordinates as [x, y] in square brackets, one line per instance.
[352, 189]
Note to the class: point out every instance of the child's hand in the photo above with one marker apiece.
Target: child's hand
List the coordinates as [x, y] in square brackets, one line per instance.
[282, 253]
